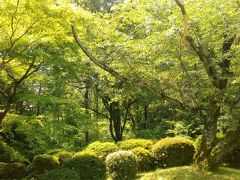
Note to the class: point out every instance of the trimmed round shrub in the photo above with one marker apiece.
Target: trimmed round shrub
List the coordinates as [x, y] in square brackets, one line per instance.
[145, 159]
[122, 165]
[88, 165]
[64, 156]
[43, 162]
[59, 174]
[8, 154]
[176, 151]
[102, 149]
[133, 143]
[12, 170]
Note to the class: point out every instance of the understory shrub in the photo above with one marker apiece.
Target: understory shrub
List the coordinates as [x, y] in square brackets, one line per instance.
[232, 159]
[8, 154]
[145, 159]
[133, 143]
[88, 166]
[59, 174]
[122, 165]
[43, 162]
[64, 156]
[12, 170]
[102, 149]
[176, 151]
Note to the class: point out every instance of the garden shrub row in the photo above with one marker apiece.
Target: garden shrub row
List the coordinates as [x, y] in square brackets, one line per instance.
[122, 161]
[10, 155]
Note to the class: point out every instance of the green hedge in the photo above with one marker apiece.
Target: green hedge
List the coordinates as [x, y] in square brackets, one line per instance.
[176, 151]
[88, 165]
[134, 143]
[8, 154]
[122, 165]
[145, 159]
[43, 162]
[12, 170]
[102, 149]
[64, 156]
[59, 174]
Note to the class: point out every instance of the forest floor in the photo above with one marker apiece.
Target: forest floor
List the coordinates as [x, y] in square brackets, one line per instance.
[188, 173]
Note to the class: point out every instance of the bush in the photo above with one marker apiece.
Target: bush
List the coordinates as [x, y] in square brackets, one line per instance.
[64, 156]
[145, 159]
[12, 171]
[176, 151]
[44, 162]
[232, 159]
[8, 154]
[122, 165]
[88, 165]
[59, 174]
[133, 143]
[102, 149]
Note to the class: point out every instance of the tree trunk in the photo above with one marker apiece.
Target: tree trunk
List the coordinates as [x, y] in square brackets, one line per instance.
[6, 108]
[87, 106]
[218, 150]
[203, 159]
[96, 102]
[115, 124]
[145, 116]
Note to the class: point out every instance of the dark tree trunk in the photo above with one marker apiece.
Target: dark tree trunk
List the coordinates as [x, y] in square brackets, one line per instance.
[87, 106]
[96, 101]
[145, 116]
[115, 118]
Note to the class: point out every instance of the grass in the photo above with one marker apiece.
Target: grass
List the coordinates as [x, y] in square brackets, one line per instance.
[189, 173]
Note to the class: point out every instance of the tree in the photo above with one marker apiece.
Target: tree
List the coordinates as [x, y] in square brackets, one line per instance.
[25, 40]
[200, 74]
[218, 66]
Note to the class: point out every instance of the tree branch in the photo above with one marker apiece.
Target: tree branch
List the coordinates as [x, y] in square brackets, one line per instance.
[137, 83]
[94, 60]
[3, 93]
[99, 113]
[182, 7]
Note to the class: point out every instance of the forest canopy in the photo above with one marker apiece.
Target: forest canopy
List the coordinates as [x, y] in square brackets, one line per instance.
[76, 72]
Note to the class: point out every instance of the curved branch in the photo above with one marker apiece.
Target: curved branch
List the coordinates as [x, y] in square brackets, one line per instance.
[94, 60]
[138, 83]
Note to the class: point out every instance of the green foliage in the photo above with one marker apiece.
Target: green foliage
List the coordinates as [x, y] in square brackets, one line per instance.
[122, 165]
[145, 159]
[102, 149]
[64, 156]
[59, 174]
[42, 163]
[232, 159]
[88, 165]
[176, 151]
[8, 154]
[12, 170]
[30, 134]
[133, 143]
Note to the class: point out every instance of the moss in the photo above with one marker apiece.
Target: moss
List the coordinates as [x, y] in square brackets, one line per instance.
[12, 170]
[189, 173]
